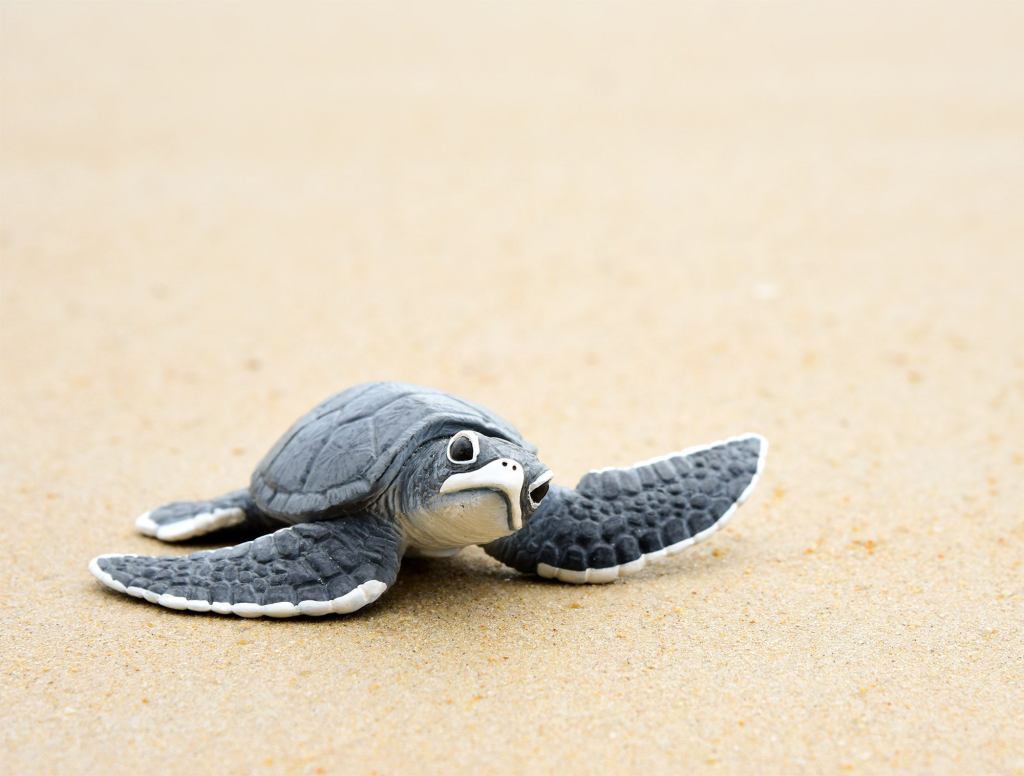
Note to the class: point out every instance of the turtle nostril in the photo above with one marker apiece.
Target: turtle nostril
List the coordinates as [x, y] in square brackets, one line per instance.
[538, 493]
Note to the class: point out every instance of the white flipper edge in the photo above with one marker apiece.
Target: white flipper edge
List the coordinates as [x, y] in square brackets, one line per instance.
[190, 527]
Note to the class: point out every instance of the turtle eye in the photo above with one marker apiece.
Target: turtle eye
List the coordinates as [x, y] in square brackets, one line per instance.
[537, 494]
[539, 489]
[464, 447]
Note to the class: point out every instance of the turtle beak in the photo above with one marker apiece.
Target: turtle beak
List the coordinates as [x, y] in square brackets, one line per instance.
[505, 475]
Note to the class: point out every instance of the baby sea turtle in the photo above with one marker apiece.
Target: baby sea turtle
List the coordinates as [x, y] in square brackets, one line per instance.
[384, 469]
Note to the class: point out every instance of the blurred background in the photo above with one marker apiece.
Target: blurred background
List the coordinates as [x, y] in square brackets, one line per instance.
[629, 228]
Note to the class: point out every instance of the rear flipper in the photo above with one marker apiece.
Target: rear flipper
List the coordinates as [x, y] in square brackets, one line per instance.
[334, 566]
[618, 519]
[182, 520]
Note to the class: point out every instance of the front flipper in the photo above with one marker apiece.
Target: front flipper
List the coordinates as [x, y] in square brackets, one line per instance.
[317, 568]
[618, 519]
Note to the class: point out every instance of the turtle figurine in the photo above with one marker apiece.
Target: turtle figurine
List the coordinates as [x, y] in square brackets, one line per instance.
[386, 469]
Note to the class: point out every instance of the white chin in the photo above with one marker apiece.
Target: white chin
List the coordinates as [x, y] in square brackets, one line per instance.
[458, 520]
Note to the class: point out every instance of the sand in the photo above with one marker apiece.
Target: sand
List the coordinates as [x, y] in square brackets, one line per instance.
[628, 229]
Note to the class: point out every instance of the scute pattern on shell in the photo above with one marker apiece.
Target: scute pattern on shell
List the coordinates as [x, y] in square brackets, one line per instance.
[309, 562]
[616, 516]
[348, 448]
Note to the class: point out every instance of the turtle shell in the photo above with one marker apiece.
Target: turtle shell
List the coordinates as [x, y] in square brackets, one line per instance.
[348, 449]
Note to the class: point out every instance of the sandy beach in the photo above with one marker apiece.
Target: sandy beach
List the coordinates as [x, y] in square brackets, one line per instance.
[627, 229]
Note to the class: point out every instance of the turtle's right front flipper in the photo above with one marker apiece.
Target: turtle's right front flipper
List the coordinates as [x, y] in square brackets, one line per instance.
[334, 566]
[182, 520]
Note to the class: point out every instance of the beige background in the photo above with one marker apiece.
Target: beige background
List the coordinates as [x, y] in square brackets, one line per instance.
[628, 228]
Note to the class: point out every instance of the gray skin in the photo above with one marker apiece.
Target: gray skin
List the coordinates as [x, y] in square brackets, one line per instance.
[443, 505]
[386, 469]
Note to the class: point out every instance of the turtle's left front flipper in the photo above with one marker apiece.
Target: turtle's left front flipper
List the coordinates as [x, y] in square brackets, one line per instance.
[333, 566]
[618, 519]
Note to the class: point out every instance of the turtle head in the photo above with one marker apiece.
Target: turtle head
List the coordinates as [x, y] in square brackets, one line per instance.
[471, 488]
[479, 462]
